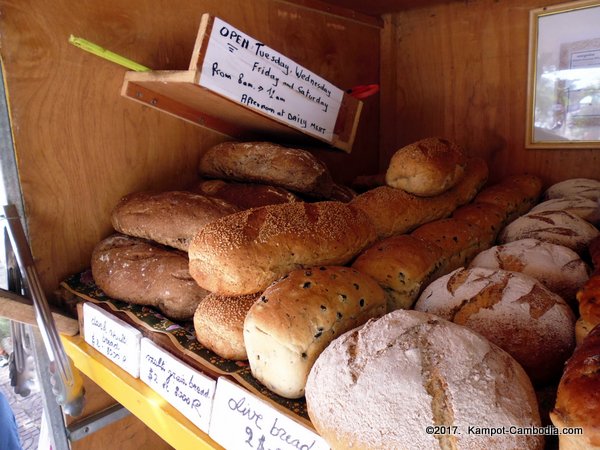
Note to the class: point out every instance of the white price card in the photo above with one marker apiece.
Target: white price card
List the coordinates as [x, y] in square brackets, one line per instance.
[189, 391]
[241, 420]
[112, 337]
[244, 70]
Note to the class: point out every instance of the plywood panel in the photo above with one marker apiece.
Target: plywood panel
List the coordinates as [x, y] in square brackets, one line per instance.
[459, 70]
[81, 146]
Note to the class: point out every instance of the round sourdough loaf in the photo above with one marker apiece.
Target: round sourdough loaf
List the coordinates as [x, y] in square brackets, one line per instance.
[583, 207]
[558, 268]
[143, 273]
[299, 315]
[384, 385]
[219, 324]
[512, 310]
[171, 218]
[427, 167]
[581, 187]
[556, 227]
[244, 195]
[244, 252]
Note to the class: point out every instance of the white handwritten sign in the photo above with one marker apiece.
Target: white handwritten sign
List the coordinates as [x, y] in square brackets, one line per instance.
[112, 337]
[246, 71]
[240, 420]
[188, 390]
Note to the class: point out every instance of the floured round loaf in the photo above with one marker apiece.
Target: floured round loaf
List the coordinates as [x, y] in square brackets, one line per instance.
[512, 310]
[427, 167]
[269, 163]
[585, 208]
[558, 268]
[219, 324]
[556, 227]
[581, 187]
[381, 386]
[245, 195]
[401, 265]
[171, 218]
[298, 316]
[243, 253]
[143, 273]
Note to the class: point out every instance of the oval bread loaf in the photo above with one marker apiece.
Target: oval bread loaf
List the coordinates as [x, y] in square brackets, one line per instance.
[512, 310]
[383, 385]
[143, 273]
[244, 195]
[244, 252]
[486, 216]
[581, 187]
[298, 316]
[587, 209]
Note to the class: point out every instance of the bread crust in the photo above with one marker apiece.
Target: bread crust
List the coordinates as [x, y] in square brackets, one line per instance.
[244, 195]
[583, 187]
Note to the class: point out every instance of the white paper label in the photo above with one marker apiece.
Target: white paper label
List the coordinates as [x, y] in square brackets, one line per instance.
[189, 391]
[240, 420]
[246, 71]
[112, 337]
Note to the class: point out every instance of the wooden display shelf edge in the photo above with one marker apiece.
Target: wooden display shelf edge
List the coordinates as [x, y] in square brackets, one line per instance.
[137, 397]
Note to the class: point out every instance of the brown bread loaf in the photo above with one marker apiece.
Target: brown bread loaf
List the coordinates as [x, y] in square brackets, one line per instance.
[170, 218]
[588, 298]
[219, 324]
[140, 272]
[382, 385]
[244, 252]
[268, 163]
[298, 316]
[394, 211]
[427, 167]
[489, 218]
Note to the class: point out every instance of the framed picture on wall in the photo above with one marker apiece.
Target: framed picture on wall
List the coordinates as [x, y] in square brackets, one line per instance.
[563, 101]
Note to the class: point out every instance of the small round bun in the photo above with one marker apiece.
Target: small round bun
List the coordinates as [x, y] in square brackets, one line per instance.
[512, 310]
[558, 268]
[427, 167]
[556, 227]
[581, 187]
[219, 324]
[382, 385]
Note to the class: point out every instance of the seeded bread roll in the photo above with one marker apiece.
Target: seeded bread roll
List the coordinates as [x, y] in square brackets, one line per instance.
[587, 209]
[383, 385]
[394, 211]
[487, 217]
[459, 241]
[427, 167]
[139, 272]
[219, 324]
[244, 195]
[170, 218]
[581, 187]
[268, 163]
[299, 315]
[556, 227]
[512, 310]
[578, 397]
[402, 265]
[244, 252]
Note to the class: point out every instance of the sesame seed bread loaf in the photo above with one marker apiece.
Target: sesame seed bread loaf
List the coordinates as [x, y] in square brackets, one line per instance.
[402, 265]
[581, 187]
[427, 167]
[243, 253]
[171, 218]
[298, 316]
[382, 385]
[144, 273]
[512, 310]
[268, 163]
[219, 324]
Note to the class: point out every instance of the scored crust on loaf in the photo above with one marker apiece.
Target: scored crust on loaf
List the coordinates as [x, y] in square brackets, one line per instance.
[401, 265]
[269, 163]
[143, 273]
[582, 187]
[244, 252]
[219, 324]
[556, 227]
[583, 207]
[512, 310]
[171, 218]
[427, 167]
[380, 386]
[298, 316]
[558, 268]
